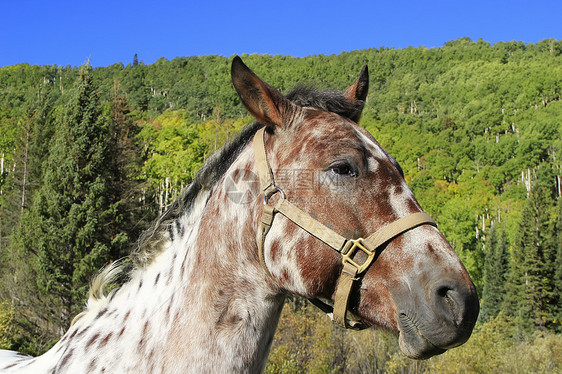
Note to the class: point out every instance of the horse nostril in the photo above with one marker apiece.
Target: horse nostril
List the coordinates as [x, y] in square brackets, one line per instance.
[443, 290]
[450, 302]
[454, 307]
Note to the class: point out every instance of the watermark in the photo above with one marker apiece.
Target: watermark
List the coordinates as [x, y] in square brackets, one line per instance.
[242, 187]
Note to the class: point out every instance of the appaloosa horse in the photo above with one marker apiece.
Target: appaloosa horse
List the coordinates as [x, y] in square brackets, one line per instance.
[280, 210]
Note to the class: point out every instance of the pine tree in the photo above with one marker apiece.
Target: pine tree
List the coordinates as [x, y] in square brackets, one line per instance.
[18, 276]
[131, 211]
[531, 293]
[43, 118]
[495, 272]
[71, 228]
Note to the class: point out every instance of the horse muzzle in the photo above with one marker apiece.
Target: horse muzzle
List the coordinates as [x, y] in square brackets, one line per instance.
[441, 319]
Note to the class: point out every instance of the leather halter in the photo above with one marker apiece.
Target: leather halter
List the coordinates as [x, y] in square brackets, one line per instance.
[347, 248]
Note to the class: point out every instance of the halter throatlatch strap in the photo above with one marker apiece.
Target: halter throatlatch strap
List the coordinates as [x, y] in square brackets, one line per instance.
[347, 248]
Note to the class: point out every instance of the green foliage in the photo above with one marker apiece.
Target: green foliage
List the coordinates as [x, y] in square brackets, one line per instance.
[531, 291]
[495, 348]
[495, 273]
[6, 325]
[15, 331]
[174, 153]
[73, 226]
[306, 342]
[557, 243]
[475, 127]
[176, 148]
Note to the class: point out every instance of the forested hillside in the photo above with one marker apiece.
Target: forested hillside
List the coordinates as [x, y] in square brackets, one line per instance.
[90, 156]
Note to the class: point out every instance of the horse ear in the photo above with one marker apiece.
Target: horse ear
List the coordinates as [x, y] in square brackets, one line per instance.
[359, 90]
[264, 102]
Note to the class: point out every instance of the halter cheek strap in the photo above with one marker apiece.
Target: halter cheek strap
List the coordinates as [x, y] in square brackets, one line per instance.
[347, 248]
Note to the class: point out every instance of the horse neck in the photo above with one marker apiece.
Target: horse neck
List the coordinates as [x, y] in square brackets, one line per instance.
[229, 310]
[203, 304]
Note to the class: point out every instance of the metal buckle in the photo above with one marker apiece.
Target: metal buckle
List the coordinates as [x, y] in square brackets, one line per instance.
[349, 250]
[268, 194]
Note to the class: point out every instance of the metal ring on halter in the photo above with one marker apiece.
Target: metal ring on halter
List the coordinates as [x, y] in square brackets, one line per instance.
[275, 190]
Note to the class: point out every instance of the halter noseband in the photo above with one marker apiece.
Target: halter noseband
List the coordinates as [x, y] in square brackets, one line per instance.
[347, 248]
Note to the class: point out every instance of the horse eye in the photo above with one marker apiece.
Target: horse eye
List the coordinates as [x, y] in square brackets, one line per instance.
[343, 169]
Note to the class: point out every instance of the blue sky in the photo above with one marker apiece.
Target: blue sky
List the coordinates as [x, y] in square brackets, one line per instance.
[70, 32]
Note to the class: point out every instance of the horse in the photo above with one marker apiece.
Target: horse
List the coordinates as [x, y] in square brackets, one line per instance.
[303, 202]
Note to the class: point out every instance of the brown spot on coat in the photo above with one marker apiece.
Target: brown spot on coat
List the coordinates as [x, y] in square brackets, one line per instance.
[65, 359]
[143, 336]
[92, 340]
[82, 332]
[92, 365]
[104, 341]
[275, 249]
[101, 313]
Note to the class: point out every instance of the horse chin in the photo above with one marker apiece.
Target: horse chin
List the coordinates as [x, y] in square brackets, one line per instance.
[412, 341]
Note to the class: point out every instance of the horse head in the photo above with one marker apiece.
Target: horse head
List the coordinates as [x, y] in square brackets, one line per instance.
[326, 182]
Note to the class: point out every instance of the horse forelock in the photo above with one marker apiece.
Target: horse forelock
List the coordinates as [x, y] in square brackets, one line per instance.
[327, 100]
